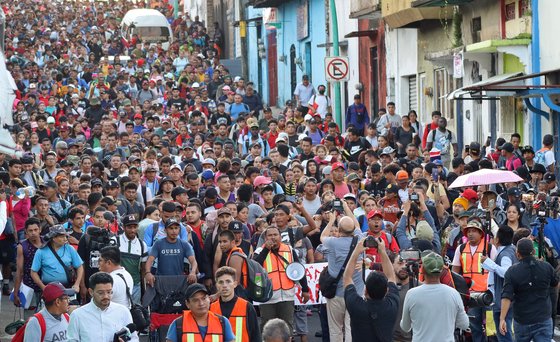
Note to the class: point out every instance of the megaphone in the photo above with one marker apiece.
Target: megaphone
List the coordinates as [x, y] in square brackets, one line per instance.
[295, 271]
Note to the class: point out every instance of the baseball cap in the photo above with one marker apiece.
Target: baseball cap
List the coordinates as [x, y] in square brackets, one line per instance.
[538, 168]
[194, 289]
[327, 170]
[236, 161]
[235, 226]
[508, 147]
[211, 193]
[338, 165]
[50, 184]
[527, 148]
[261, 180]
[207, 174]
[56, 290]
[113, 184]
[129, 220]
[96, 181]
[387, 150]
[209, 161]
[392, 189]
[549, 177]
[514, 191]
[432, 262]
[402, 176]
[224, 210]
[138, 116]
[474, 147]
[353, 177]
[470, 195]
[171, 222]
[50, 120]
[373, 213]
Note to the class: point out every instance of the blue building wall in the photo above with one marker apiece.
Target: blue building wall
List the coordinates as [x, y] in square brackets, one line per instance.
[313, 59]
[253, 58]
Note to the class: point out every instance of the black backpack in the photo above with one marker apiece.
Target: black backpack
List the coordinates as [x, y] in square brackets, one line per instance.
[256, 292]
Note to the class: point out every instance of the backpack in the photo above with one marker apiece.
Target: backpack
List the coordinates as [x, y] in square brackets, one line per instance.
[255, 292]
[540, 156]
[18, 337]
[433, 133]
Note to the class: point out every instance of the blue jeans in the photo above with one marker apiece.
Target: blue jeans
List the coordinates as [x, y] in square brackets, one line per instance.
[509, 319]
[538, 332]
[476, 318]
[136, 294]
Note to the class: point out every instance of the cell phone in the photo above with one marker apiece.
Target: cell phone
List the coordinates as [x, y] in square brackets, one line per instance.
[414, 197]
[467, 148]
[410, 254]
[370, 242]
[527, 197]
[488, 141]
[435, 174]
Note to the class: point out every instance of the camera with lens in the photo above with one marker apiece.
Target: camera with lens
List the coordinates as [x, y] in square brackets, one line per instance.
[412, 258]
[480, 299]
[414, 197]
[337, 205]
[370, 242]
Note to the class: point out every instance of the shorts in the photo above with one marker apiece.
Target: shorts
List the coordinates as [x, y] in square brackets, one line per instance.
[7, 251]
[300, 320]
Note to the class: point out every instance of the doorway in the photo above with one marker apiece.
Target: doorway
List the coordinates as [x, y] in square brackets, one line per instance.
[293, 71]
[272, 67]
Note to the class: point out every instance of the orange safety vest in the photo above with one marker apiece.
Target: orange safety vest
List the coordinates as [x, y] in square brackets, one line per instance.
[471, 266]
[276, 268]
[243, 278]
[237, 318]
[191, 332]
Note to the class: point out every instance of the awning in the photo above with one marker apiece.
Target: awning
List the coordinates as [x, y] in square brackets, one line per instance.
[474, 91]
[363, 33]
[439, 3]
[512, 85]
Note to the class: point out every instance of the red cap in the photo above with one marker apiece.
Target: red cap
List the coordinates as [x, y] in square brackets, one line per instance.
[138, 116]
[470, 195]
[338, 165]
[373, 213]
[402, 175]
[55, 290]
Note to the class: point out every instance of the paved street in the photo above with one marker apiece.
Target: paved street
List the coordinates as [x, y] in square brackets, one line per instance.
[7, 315]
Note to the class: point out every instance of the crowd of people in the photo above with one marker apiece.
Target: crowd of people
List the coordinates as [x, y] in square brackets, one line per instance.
[163, 164]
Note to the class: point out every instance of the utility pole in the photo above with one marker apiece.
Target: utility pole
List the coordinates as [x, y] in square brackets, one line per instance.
[336, 53]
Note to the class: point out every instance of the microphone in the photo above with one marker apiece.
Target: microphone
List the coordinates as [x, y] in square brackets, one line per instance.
[125, 333]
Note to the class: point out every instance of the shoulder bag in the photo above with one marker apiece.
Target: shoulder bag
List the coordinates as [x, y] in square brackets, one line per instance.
[327, 283]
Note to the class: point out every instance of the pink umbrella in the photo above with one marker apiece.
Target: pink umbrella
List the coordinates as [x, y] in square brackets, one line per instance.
[485, 177]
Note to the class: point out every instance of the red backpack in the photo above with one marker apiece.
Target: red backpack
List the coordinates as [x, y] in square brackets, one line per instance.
[18, 337]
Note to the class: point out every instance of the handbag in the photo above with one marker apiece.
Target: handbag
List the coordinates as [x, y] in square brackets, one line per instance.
[16, 324]
[140, 314]
[70, 271]
[329, 284]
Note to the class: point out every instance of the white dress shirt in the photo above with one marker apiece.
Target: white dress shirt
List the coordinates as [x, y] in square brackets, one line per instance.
[91, 324]
[119, 287]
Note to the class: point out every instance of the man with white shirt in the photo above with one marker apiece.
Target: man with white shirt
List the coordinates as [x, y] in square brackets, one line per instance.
[110, 262]
[320, 103]
[100, 319]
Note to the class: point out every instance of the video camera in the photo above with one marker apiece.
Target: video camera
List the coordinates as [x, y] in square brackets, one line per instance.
[98, 238]
[412, 257]
[480, 299]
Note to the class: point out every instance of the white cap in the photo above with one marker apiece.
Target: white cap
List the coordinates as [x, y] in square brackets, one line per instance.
[308, 117]
[50, 120]
[301, 136]
[195, 85]
[237, 79]
[146, 71]
[169, 75]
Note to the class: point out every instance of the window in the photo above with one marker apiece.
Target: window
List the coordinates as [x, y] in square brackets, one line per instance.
[510, 11]
[476, 27]
[444, 84]
[524, 7]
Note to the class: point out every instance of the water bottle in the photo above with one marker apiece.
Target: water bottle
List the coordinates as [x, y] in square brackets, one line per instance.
[20, 193]
[258, 283]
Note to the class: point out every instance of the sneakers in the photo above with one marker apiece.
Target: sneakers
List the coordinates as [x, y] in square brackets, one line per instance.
[6, 289]
[556, 331]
